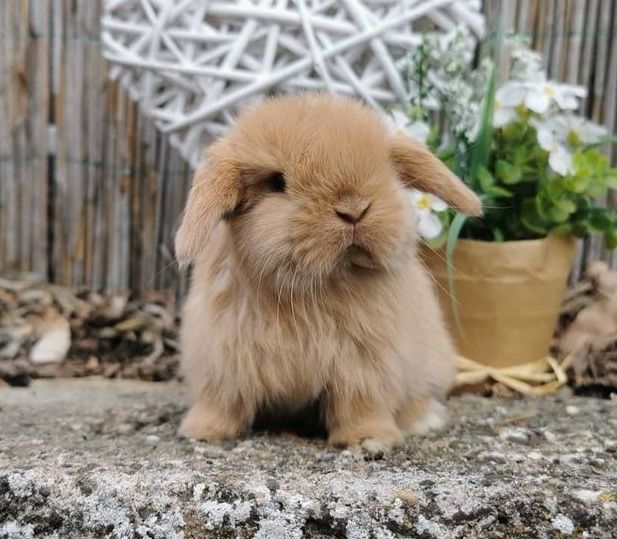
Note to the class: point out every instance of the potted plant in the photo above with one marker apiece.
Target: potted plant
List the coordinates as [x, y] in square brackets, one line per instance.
[538, 168]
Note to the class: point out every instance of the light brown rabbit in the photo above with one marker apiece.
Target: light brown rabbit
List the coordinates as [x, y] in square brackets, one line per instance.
[307, 284]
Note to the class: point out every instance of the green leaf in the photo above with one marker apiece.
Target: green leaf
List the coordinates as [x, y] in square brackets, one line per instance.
[578, 183]
[498, 192]
[485, 178]
[557, 215]
[582, 229]
[540, 206]
[610, 237]
[530, 218]
[497, 235]
[600, 219]
[507, 173]
[563, 229]
[513, 134]
[480, 151]
[564, 204]
[555, 188]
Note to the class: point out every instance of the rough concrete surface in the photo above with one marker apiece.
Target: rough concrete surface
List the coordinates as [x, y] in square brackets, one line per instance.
[94, 458]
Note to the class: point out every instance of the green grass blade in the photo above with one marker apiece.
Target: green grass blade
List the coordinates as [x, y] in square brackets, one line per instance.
[453, 236]
[480, 150]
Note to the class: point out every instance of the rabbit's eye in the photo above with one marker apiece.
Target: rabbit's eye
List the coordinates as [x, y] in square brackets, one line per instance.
[276, 182]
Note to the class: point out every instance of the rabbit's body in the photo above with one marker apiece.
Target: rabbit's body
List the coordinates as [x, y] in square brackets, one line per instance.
[292, 301]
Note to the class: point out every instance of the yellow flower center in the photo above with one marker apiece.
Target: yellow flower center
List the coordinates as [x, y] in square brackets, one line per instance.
[573, 138]
[424, 202]
[498, 104]
[548, 90]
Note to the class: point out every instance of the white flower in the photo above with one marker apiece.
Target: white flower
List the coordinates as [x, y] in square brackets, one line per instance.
[419, 130]
[396, 121]
[425, 206]
[399, 124]
[560, 160]
[538, 96]
[511, 93]
[560, 134]
[503, 115]
[527, 63]
[577, 129]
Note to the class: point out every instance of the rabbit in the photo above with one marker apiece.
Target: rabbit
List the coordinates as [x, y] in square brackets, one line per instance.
[307, 282]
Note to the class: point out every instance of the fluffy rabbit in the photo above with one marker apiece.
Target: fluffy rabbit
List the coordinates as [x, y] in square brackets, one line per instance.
[307, 284]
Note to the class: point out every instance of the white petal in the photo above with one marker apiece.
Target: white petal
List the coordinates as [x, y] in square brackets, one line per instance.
[546, 139]
[511, 94]
[437, 204]
[537, 101]
[561, 123]
[566, 102]
[560, 161]
[414, 195]
[590, 132]
[429, 225]
[503, 116]
[419, 131]
[396, 121]
[571, 89]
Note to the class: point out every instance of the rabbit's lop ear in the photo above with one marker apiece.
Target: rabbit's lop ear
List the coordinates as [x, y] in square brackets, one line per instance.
[419, 168]
[215, 193]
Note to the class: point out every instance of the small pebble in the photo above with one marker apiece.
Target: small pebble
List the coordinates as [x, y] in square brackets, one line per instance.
[563, 524]
[519, 436]
[610, 444]
[569, 459]
[491, 456]
[198, 491]
[243, 446]
[587, 496]
[550, 437]
[209, 451]
[518, 457]
[572, 410]
[409, 498]
[326, 457]
[272, 484]
[152, 439]
[124, 428]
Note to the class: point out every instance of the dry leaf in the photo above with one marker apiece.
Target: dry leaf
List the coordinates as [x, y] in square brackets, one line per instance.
[53, 346]
[112, 335]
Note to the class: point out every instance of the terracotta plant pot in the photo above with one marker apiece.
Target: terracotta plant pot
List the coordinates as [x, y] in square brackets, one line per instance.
[508, 296]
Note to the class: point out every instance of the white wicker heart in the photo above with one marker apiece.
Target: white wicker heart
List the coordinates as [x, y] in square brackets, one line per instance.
[192, 63]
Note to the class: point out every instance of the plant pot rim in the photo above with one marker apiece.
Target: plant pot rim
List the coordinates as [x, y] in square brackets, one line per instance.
[551, 237]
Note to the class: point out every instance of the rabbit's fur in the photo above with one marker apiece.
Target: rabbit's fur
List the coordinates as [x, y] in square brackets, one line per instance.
[290, 301]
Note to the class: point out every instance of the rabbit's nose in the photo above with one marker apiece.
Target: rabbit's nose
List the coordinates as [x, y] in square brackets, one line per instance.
[352, 209]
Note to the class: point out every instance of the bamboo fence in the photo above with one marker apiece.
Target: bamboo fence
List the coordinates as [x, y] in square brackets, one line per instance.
[90, 192]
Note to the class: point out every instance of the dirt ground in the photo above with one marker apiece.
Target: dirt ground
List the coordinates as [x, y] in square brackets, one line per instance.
[99, 458]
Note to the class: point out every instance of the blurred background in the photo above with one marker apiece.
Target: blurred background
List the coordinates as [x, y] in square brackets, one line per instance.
[90, 191]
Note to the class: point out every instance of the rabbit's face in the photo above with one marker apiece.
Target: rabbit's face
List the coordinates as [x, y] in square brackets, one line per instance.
[313, 187]
[340, 208]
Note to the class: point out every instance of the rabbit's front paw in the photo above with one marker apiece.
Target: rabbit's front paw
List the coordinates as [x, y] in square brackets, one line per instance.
[204, 423]
[378, 439]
